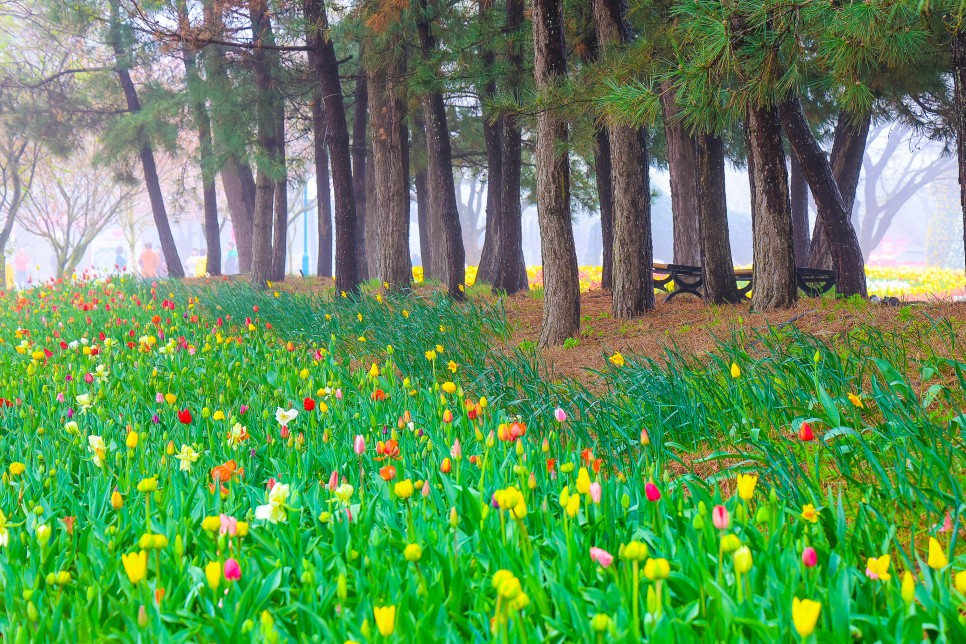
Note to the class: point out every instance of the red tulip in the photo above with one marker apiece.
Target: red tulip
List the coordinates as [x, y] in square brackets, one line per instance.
[184, 416]
[652, 493]
[308, 404]
[805, 432]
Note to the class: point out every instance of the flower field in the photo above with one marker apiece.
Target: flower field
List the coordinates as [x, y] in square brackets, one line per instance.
[900, 281]
[208, 463]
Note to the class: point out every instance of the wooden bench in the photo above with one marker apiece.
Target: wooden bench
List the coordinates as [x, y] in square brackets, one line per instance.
[677, 279]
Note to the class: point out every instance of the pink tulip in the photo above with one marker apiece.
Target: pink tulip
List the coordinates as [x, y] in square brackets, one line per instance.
[60, 397]
[425, 489]
[284, 432]
[159, 398]
[560, 415]
[338, 394]
[229, 525]
[601, 556]
[456, 451]
[809, 557]
[652, 493]
[88, 378]
[720, 517]
[232, 570]
[333, 481]
[359, 445]
[947, 523]
[594, 492]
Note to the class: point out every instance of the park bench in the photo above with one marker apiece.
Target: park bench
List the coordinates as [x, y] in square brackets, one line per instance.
[677, 279]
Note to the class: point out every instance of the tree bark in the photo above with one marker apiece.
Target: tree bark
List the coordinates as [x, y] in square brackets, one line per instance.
[836, 217]
[633, 282]
[360, 148]
[493, 141]
[266, 182]
[236, 173]
[683, 169]
[421, 184]
[561, 306]
[146, 154]
[959, 98]
[280, 227]
[209, 191]
[605, 197]
[511, 275]
[848, 150]
[390, 140]
[374, 215]
[774, 252]
[798, 188]
[440, 162]
[337, 138]
[323, 193]
[717, 266]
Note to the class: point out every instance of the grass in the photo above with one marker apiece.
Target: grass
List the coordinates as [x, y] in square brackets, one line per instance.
[472, 458]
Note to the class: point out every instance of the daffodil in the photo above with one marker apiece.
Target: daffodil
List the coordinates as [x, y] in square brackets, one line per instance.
[187, 457]
[617, 360]
[97, 448]
[274, 511]
[809, 513]
[856, 401]
[284, 417]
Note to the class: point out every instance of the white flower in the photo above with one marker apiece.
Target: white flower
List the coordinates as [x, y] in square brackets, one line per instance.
[285, 417]
[98, 449]
[187, 456]
[274, 510]
[84, 400]
[71, 428]
[4, 534]
[101, 373]
[73, 344]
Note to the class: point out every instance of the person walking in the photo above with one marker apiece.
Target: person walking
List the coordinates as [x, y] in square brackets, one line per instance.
[120, 260]
[149, 261]
[231, 260]
[21, 266]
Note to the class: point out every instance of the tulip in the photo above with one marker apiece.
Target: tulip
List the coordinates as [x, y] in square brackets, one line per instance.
[413, 552]
[136, 566]
[308, 404]
[560, 415]
[404, 489]
[805, 615]
[456, 451]
[359, 445]
[937, 557]
[720, 517]
[333, 481]
[809, 557]
[878, 568]
[232, 570]
[645, 437]
[583, 481]
[184, 417]
[213, 574]
[602, 557]
[960, 581]
[594, 491]
[735, 370]
[746, 486]
[805, 432]
[743, 560]
[653, 494]
[655, 569]
[908, 590]
[385, 619]
[117, 501]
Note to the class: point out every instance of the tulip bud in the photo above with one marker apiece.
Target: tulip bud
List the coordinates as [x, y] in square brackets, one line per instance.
[117, 501]
[454, 518]
[142, 617]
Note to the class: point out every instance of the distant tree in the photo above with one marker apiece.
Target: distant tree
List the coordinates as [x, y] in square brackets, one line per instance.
[73, 200]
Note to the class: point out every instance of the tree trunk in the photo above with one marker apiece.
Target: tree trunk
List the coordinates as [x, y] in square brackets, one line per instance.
[236, 174]
[605, 196]
[561, 305]
[373, 216]
[774, 251]
[267, 180]
[390, 140]
[360, 147]
[959, 97]
[209, 191]
[323, 193]
[440, 162]
[337, 138]
[421, 183]
[848, 149]
[493, 141]
[146, 154]
[511, 274]
[798, 188]
[633, 283]
[280, 227]
[717, 266]
[683, 168]
[239, 185]
[835, 215]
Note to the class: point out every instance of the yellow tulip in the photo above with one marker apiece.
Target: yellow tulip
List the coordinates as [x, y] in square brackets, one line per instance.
[374, 371]
[655, 569]
[583, 481]
[878, 568]
[404, 489]
[735, 370]
[805, 615]
[746, 485]
[17, 468]
[136, 566]
[908, 587]
[937, 557]
[413, 552]
[449, 387]
[743, 560]
[385, 619]
[961, 581]
[213, 574]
